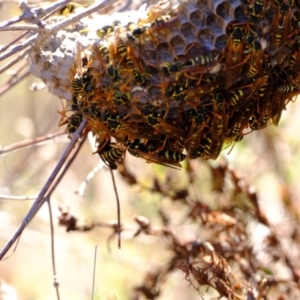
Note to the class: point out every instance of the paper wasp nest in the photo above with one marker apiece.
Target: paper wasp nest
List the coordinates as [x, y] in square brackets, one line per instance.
[181, 80]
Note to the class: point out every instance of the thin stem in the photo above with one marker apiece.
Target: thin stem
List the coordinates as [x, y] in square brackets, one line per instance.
[56, 284]
[118, 207]
[41, 197]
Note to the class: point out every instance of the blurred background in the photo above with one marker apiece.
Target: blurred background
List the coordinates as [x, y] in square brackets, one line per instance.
[268, 160]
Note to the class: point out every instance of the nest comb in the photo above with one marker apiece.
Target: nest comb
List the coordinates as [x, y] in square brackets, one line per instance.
[181, 80]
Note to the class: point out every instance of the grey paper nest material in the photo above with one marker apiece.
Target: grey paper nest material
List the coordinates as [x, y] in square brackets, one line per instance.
[177, 80]
[54, 61]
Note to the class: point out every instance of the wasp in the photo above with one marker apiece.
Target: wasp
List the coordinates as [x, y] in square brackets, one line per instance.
[136, 33]
[160, 22]
[101, 33]
[204, 150]
[240, 121]
[164, 157]
[219, 124]
[278, 106]
[203, 89]
[121, 49]
[92, 109]
[237, 33]
[198, 65]
[120, 127]
[113, 73]
[171, 68]
[74, 122]
[199, 118]
[288, 88]
[176, 92]
[292, 60]
[81, 86]
[112, 121]
[120, 98]
[256, 59]
[110, 155]
[158, 30]
[200, 60]
[281, 22]
[172, 156]
[137, 129]
[265, 87]
[104, 52]
[236, 96]
[136, 147]
[69, 9]
[211, 78]
[255, 10]
[267, 96]
[237, 128]
[240, 97]
[139, 78]
[177, 145]
[74, 103]
[156, 120]
[255, 124]
[235, 44]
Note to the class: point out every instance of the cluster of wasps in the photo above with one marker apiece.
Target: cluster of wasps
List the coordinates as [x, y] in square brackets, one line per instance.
[184, 84]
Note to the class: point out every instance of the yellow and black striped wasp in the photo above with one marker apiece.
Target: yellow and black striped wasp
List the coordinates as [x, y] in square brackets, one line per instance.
[156, 120]
[122, 52]
[169, 68]
[239, 121]
[160, 27]
[176, 92]
[121, 129]
[259, 121]
[166, 158]
[139, 78]
[114, 73]
[105, 30]
[252, 91]
[74, 122]
[256, 59]
[198, 119]
[235, 59]
[202, 60]
[219, 123]
[197, 66]
[256, 10]
[92, 108]
[279, 103]
[111, 120]
[281, 24]
[103, 49]
[70, 8]
[81, 85]
[110, 155]
[120, 98]
[204, 148]
[291, 89]
[137, 33]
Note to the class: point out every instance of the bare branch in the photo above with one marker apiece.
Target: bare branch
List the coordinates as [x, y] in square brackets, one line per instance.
[41, 197]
